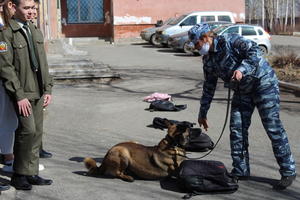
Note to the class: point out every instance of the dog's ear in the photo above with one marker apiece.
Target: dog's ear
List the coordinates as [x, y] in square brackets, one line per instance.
[182, 127]
[167, 122]
[172, 130]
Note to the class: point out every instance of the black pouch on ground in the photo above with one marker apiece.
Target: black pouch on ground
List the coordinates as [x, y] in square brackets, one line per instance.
[165, 105]
[198, 177]
[159, 123]
[199, 141]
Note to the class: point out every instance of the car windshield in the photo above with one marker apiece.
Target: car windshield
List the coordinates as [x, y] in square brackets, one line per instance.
[177, 20]
[219, 29]
[169, 21]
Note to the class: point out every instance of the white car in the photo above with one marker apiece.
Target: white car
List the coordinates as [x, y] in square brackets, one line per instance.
[187, 21]
[254, 33]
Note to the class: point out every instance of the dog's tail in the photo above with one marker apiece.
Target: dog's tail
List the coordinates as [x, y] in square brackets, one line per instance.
[90, 163]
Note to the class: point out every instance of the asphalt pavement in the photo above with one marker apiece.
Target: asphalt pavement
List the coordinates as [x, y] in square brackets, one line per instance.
[88, 119]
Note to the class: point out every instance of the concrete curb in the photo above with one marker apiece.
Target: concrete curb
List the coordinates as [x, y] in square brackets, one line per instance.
[290, 86]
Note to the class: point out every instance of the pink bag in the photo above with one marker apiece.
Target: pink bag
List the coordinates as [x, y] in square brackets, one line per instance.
[157, 96]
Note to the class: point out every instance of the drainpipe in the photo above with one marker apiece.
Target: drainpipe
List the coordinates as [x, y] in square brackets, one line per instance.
[112, 40]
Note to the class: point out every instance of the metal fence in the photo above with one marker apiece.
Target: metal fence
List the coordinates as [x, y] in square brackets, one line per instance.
[85, 11]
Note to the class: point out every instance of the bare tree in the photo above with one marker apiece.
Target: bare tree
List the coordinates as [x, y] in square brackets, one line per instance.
[269, 14]
[274, 15]
[293, 21]
[263, 13]
[286, 14]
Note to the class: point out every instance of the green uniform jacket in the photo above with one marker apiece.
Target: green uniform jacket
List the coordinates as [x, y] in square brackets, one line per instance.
[15, 66]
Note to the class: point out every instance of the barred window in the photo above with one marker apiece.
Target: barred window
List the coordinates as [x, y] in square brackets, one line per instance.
[85, 11]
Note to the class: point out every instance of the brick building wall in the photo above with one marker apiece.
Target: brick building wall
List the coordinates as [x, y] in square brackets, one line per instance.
[131, 16]
[126, 18]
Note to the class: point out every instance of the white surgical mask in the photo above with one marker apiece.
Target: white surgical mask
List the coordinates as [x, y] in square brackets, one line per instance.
[204, 49]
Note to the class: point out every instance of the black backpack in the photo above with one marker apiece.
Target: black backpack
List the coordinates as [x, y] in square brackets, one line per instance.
[198, 141]
[205, 177]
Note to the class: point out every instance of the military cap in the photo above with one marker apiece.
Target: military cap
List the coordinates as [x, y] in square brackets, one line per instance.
[197, 31]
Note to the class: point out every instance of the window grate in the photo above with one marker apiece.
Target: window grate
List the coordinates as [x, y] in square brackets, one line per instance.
[85, 11]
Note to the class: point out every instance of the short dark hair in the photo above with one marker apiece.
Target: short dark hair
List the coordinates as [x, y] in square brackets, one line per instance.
[17, 2]
[2, 2]
[6, 15]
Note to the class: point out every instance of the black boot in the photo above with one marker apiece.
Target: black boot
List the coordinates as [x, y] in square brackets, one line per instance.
[284, 182]
[45, 154]
[20, 182]
[37, 180]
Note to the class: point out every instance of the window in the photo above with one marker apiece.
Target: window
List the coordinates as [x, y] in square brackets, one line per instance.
[260, 32]
[85, 11]
[224, 18]
[248, 31]
[190, 21]
[176, 21]
[208, 18]
[234, 29]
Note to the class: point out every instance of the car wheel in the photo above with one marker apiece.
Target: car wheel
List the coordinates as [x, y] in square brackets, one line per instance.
[263, 49]
[153, 41]
[196, 54]
[186, 48]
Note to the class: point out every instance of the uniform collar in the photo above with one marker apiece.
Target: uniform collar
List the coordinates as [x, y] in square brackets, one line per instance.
[215, 45]
[16, 24]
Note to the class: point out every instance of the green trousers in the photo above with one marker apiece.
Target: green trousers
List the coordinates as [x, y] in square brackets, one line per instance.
[28, 138]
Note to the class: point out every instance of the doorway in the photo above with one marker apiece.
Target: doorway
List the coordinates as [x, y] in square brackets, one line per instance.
[86, 18]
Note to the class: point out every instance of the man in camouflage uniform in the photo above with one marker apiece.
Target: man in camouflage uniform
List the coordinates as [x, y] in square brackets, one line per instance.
[236, 59]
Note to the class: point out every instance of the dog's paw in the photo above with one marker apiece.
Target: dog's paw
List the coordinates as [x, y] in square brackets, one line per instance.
[127, 178]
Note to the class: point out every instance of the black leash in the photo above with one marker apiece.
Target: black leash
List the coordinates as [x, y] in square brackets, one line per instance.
[225, 123]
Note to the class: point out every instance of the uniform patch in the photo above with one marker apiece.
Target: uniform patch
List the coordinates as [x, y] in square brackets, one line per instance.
[3, 47]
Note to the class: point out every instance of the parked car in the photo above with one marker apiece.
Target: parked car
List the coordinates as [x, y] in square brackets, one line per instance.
[254, 33]
[185, 22]
[180, 42]
[148, 34]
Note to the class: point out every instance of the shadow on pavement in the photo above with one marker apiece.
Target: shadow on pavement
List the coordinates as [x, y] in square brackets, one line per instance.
[141, 43]
[185, 55]
[166, 50]
[84, 173]
[80, 159]
[153, 46]
[263, 180]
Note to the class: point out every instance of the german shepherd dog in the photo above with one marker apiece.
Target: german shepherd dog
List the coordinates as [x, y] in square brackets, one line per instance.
[146, 162]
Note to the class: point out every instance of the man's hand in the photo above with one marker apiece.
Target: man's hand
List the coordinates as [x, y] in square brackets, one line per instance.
[203, 122]
[24, 107]
[47, 100]
[237, 75]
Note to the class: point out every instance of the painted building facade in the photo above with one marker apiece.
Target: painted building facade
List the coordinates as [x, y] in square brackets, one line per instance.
[120, 18]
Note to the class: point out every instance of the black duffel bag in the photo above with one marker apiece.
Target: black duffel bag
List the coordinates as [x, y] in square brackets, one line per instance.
[198, 141]
[205, 177]
[159, 123]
